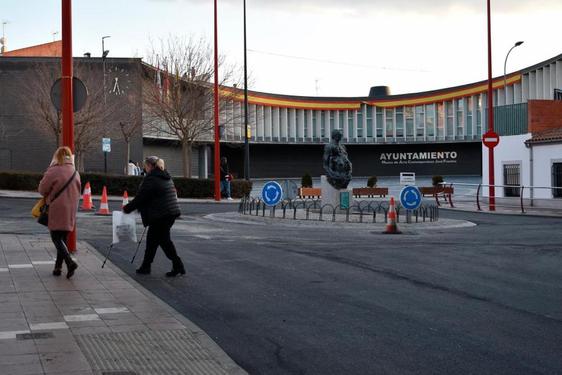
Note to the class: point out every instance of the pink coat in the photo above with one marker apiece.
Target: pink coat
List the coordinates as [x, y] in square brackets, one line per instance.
[62, 212]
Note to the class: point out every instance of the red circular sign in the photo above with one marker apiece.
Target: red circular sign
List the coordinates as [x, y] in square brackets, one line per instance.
[490, 139]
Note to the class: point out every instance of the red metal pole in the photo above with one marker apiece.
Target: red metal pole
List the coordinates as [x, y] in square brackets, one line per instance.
[67, 98]
[491, 179]
[217, 131]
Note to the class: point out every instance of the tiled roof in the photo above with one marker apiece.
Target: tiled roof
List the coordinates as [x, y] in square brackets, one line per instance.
[545, 136]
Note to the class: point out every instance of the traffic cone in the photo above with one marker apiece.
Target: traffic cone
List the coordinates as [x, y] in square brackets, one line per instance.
[125, 199]
[87, 204]
[391, 227]
[104, 206]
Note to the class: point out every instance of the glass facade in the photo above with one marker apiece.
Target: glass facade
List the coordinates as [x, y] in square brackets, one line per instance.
[457, 119]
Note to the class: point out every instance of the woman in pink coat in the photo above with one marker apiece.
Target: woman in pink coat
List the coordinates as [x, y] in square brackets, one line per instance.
[62, 210]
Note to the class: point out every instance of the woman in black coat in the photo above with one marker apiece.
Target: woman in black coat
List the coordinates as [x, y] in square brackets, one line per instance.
[157, 202]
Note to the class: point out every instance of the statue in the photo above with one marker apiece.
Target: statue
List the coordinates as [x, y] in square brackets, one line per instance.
[336, 162]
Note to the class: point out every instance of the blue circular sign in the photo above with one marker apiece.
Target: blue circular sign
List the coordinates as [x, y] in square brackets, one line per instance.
[272, 193]
[410, 197]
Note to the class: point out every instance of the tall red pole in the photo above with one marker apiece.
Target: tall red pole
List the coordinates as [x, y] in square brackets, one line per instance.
[491, 178]
[217, 131]
[67, 98]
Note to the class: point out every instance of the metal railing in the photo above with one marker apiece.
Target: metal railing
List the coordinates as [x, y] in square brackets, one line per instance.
[527, 197]
[360, 211]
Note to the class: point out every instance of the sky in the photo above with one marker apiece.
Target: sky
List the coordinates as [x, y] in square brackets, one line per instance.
[315, 47]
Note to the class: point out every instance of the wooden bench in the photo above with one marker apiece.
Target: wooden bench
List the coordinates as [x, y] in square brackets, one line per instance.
[310, 192]
[370, 192]
[435, 190]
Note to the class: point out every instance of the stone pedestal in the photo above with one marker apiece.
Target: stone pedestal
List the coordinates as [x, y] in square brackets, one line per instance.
[331, 195]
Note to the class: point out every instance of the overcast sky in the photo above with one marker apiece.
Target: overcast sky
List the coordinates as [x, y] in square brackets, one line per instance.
[309, 47]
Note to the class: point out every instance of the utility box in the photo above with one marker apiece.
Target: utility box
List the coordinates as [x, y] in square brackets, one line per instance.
[407, 178]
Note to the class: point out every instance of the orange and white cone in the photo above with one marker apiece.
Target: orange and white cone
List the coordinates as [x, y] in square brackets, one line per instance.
[104, 206]
[125, 199]
[87, 204]
[391, 227]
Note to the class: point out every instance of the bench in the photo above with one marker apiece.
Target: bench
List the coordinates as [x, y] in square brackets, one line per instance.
[435, 190]
[310, 192]
[370, 192]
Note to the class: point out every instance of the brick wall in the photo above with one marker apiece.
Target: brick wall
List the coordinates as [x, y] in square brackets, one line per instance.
[53, 49]
[544, 114]
[26, 144]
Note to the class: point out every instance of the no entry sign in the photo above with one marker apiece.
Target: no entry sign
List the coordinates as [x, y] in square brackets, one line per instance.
[490, 139]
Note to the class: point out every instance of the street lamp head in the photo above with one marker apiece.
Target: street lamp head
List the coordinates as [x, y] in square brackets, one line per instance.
[517, 44]
[105, 37]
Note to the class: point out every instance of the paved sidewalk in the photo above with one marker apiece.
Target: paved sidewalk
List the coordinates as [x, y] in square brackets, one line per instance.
[100, 322]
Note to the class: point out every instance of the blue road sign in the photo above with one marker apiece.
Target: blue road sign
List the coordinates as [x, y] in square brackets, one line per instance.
[272, 193]
[410, 197]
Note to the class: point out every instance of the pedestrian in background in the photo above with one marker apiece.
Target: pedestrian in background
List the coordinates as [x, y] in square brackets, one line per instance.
[225, 178]
[60, 186]
[157, 202]
[132, 169]
[140, 168]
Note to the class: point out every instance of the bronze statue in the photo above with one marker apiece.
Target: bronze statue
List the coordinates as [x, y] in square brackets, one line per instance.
[336, 162]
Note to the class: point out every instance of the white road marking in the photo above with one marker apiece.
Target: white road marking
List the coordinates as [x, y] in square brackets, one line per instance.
[81, 318]
[111, 310]
[48, 326]
[20, 265]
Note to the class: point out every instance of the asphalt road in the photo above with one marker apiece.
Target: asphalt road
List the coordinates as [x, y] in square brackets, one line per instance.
[293, 300]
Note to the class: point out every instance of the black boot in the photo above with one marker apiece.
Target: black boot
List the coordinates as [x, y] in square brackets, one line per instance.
[177, 269]
[57, 271]
[71, 266]
[144, 269]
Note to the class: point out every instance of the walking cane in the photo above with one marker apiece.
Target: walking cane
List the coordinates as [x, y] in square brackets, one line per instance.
[107, 255]
[138, 246]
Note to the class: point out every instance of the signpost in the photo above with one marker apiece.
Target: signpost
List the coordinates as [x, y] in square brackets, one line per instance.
[410, 197]
[79, 93]
[105, 147]
[271, 193]
[490, 139]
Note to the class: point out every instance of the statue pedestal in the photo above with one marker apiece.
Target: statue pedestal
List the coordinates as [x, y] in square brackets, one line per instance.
[331, 195]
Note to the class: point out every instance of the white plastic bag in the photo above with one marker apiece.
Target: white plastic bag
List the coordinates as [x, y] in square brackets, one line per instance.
[124, 227]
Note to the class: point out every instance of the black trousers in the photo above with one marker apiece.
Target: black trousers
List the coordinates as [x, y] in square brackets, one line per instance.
[59, 239]
[159, 235]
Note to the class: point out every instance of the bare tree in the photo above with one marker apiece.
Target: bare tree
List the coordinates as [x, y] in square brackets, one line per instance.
[128, 128]
[89, 123]
[178, 96]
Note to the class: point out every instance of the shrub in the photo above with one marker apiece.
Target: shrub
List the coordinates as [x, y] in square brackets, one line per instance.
[306, 180]
[436, 180]
[186, 187]
[372, 181]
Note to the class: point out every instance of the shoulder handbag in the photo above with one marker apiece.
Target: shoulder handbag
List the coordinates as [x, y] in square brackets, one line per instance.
[43, 218]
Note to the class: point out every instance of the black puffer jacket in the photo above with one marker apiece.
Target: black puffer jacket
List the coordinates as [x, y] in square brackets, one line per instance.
[156, 198]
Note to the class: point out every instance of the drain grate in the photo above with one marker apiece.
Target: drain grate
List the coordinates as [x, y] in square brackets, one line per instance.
[174, 352]
[34, 335]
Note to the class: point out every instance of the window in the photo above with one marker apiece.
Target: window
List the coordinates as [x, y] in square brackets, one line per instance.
[557, 94]
[440, 121]
[479, 117]
[322, 124]
[450, 119]
[360, 123]
[430, 120]
[370, 110]
[380, 121]
[400, 122]
[350, 124]
[306, 124]
[511, 176]
[409, 113]
[469, 103]
[313, 131]
[460, 118]
[340, 125]
[557, 179]
[420, 122]
[389, 122]
[332, 123]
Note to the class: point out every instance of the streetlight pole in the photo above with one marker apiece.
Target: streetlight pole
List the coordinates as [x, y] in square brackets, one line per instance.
[517, 44]
[491, 176]
[104, 54]
[246, 127]
[216, 102]
[67, 95]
